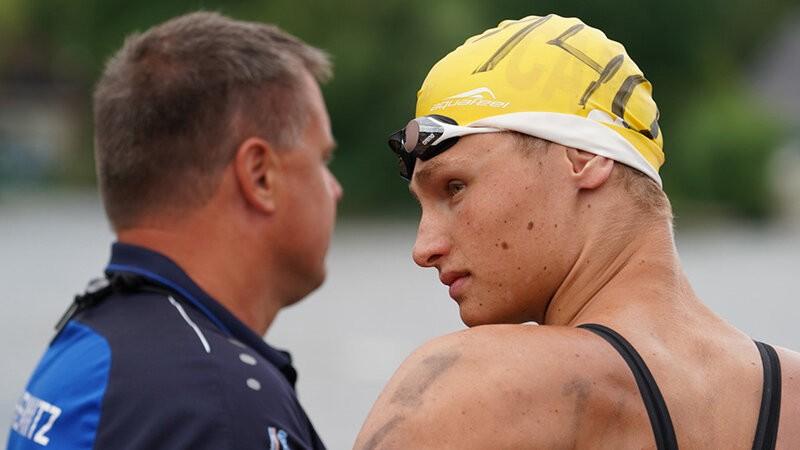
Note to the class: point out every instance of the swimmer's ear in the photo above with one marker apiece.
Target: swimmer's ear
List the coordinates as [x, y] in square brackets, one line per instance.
[589, 171]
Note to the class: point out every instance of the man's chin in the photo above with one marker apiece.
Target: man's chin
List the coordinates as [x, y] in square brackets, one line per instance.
[311, 284]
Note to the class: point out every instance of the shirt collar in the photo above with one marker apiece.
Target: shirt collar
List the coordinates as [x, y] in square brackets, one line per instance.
[163, 271]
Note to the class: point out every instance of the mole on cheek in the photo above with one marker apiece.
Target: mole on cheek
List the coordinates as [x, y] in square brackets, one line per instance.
[504, 245]
[530, 225]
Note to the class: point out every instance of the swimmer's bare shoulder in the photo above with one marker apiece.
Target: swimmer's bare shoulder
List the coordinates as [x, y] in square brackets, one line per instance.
[789, 422]
[509, 386]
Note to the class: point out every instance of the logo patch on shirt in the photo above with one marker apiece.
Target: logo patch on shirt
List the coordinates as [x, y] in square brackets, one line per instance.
[34, 417]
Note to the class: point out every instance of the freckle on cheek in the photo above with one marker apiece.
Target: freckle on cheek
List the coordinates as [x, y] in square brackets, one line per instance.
[505, 245]
[530, 225]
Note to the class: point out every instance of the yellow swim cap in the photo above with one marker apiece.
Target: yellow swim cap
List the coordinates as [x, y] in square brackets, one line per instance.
[554, 78]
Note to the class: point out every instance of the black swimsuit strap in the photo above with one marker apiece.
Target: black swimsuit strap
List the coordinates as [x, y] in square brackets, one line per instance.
[660, 420]
[768, 415]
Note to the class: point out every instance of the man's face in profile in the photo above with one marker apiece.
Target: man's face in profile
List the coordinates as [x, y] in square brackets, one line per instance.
[311, 194]
[494, 227]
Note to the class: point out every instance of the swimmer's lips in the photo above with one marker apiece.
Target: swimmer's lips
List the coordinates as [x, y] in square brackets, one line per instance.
[457, 282]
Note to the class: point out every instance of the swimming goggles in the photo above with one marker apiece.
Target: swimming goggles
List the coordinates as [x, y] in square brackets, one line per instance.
[427, 136]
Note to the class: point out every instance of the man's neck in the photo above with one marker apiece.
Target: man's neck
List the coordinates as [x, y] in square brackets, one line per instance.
[224, 271]
[615, 268]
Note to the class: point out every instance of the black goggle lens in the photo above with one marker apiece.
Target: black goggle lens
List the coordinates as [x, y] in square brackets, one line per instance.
[410, 143]
[405, 159]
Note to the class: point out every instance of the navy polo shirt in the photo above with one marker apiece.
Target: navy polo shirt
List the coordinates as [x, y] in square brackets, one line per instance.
[148, 370]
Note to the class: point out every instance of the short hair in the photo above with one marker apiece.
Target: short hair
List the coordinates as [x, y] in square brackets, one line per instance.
[647, 196]
[175, 101]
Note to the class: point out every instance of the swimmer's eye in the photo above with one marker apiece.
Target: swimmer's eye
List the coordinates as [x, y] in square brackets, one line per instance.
[454, 187]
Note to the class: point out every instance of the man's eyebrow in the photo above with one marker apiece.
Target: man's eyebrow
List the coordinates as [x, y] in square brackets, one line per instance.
[329, 150]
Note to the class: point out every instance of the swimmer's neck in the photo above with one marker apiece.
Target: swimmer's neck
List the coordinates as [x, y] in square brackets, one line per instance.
[620, 272]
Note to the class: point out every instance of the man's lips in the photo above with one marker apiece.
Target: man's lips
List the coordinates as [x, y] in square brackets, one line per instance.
[455, 280]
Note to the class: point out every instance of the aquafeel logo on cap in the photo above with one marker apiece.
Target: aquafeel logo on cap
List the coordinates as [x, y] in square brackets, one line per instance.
[482, 96]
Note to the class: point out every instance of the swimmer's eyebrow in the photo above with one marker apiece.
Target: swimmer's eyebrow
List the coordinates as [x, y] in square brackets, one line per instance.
[424, 175]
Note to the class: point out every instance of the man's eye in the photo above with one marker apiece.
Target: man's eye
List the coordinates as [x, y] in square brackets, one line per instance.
[454, 187]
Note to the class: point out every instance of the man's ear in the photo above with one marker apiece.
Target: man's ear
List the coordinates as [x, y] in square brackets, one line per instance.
[255, 166]
[589, 171]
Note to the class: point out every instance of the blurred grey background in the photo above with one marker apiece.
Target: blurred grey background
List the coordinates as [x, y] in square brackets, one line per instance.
[725, 77]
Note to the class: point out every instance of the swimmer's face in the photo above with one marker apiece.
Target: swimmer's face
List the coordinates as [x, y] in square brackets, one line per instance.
[498, 226]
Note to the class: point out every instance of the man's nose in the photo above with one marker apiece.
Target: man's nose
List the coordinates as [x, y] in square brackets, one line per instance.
[431, 244]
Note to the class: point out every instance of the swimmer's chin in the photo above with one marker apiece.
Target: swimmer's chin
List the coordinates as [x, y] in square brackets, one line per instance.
[474, 317]
[474, 314]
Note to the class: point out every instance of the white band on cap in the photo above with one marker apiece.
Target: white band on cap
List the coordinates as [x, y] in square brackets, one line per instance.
[573, 131]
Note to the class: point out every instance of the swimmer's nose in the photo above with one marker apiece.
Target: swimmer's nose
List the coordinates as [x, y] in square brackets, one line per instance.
[431, 243]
